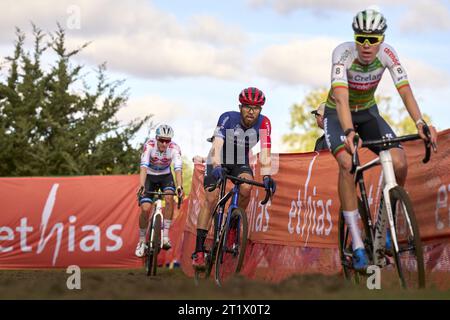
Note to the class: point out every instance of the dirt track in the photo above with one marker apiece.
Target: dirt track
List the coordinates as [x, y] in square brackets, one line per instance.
[173, 284]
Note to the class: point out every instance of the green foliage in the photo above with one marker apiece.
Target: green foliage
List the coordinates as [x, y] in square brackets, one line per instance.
[303, 124]
[398, 118]
[51, 124]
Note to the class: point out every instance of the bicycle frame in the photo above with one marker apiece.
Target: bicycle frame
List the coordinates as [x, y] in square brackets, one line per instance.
[220, 206]
[223, 199]
[157, 210]
[377, 233]
[385, 210]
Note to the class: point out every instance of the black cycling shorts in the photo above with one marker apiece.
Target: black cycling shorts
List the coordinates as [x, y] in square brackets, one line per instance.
[368, 124]
[232, 169]
[154, 183]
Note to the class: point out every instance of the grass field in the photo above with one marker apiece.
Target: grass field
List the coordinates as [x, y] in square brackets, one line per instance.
[173, 284]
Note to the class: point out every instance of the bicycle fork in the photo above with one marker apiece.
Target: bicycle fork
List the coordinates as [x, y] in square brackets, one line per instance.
[158, 211]
[389, 183]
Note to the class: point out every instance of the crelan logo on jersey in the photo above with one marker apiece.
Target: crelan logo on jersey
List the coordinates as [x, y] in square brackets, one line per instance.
[90, 242]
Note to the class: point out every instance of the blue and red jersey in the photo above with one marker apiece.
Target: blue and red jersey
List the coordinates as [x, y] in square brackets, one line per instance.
[238, 139]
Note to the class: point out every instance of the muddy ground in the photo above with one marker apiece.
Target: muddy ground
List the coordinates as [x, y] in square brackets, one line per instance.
[174, 284]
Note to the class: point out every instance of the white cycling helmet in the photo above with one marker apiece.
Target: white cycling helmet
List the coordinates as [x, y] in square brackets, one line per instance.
[164, 131]
[369, 21]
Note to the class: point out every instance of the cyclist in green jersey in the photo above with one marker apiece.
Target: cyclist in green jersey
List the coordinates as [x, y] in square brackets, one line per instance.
[351, 109]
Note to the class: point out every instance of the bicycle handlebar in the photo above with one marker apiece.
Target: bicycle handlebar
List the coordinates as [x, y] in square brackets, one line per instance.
[160, 194]
[241, 180]
[387, 141]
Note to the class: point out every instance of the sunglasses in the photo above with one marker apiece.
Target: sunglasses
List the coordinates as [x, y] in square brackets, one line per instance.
[370, 39]
[164, 140]
[248, 107]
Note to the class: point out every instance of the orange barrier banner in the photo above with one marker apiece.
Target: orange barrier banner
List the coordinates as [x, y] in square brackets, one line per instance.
[303, 213]
[89, 221]
[304, 210]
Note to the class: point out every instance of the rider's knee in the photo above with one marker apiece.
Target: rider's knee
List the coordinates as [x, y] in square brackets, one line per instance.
[146, 207]
[245, 190]
[210, 198]
[169, 200]
[345, 164]
[399, 161]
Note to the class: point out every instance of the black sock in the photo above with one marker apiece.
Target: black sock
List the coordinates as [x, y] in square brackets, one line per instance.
[201, 237]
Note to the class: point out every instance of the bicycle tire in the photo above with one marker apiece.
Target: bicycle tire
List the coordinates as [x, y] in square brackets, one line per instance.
[229, 260]
[416, 277]
[345, 245]
[210, 257]
[154, 247]
[148, 256]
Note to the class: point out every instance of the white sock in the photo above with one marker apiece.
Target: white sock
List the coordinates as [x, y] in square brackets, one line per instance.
[167, 224]
[351, 219]
[142, 234]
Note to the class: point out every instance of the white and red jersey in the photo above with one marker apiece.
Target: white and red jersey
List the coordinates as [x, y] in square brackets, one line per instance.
[158, 163]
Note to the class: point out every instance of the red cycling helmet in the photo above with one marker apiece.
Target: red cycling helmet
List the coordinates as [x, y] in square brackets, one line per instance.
[252, 96]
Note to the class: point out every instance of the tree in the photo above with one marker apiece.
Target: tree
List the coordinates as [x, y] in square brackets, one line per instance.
[303, 125]
[305, 130]
[53, 123]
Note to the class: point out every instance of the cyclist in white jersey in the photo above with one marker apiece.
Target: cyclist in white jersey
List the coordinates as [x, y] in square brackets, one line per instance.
[155, 174]
[357, 68]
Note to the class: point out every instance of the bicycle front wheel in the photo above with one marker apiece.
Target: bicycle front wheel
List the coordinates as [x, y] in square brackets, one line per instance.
[232, 245]
[154, 246]
[345, 243]
[409, 257]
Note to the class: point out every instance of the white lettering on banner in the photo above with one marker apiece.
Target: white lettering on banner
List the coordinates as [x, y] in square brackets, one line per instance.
[48, 208]
[8, 237]
[442, 203]
[88, 243]
[259, 222]
[95, 238]
[310, 223]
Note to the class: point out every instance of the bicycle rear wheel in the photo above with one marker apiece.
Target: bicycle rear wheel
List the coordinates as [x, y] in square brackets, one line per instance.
[231, 248]
[409, 258]
[154, 246]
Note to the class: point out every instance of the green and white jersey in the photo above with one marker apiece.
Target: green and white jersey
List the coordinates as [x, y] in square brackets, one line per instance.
[362, 80]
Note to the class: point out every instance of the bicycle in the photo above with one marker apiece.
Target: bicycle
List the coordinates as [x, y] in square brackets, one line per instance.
[396, 209]
[154, 232]
[228, 255]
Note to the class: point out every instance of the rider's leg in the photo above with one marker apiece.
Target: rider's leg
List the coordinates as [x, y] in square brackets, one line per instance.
[146, 208]
[348, 199]
[168, 214]
[245, 191]
[400, 165]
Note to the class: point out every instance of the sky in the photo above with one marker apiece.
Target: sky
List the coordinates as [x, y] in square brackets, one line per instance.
[185, 62]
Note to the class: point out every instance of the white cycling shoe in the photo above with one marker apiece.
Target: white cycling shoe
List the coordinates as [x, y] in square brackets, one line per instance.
[140, 249]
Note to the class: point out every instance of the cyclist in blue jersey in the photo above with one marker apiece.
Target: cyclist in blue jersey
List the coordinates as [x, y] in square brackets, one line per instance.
[236, 133]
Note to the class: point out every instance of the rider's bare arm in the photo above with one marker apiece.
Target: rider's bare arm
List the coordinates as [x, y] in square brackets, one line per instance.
[342, 107]
[142, 176]
[215, 152]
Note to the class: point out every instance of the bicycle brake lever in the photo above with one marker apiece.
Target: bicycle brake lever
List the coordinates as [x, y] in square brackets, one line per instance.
[268, 196]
